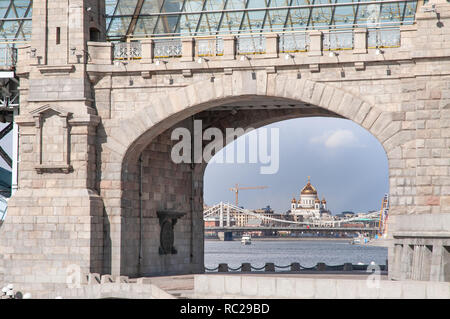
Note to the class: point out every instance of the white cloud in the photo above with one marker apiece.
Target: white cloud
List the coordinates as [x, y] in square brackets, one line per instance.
[336, 139]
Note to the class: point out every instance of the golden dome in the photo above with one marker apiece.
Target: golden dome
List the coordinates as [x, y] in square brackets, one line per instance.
[317, 200]
[308, 189]
[294, 201]
[323, 200]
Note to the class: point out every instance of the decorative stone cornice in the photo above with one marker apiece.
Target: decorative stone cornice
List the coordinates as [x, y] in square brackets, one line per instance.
[87, 120]
[53, 168]
[56, 69]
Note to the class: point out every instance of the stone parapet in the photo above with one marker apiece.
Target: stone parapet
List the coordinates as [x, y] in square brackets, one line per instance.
[291, 287]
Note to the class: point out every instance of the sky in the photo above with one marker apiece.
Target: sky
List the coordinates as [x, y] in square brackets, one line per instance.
[6, 144]
[347, 166]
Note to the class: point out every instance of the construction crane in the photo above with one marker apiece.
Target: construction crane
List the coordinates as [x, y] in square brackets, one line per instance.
[236, 190]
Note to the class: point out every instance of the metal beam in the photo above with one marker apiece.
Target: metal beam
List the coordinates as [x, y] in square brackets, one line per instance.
[5, 157]
[6, 130]
[135, 17]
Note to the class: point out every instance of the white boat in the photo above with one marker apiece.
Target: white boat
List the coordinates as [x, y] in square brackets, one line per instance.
[360, 240]
[246, 239]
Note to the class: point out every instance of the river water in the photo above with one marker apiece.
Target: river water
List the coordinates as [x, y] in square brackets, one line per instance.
[284, 252]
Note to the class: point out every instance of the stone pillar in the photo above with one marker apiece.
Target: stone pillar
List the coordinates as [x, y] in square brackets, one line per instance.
[360, 41]
[229, 47]
[421, 222]
[100, 52]
[315, 43]
[246, 267]
[187, 49]
[147, 51]
[54, 227]
[223, 268]
[272, 41]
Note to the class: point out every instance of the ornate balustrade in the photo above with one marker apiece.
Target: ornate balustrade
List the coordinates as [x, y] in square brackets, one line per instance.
[251, 44]
[294, 42]
[268, 45]
[338, 40]
[8, 56]
[296, 267]
[167, 48]
[127, 50]
[209, 47]
[383, 38]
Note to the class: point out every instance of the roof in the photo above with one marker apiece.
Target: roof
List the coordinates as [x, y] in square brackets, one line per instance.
[211, 17]
[142, 18]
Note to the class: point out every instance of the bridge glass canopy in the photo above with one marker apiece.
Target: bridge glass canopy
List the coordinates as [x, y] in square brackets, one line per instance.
[15, 20]
[152, 18]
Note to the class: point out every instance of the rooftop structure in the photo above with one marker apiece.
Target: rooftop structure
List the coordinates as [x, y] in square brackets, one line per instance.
[127, 19]
[143, 18]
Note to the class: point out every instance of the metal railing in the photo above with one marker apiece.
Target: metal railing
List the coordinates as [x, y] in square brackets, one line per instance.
[294, 42]
[209, 47]
[251, 44]
[383, 38]
[168, 48]
[8, 56]
[294, 267]
[338, 40]
[127, 50]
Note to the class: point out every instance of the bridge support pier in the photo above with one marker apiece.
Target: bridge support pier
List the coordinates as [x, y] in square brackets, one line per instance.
[225, 236]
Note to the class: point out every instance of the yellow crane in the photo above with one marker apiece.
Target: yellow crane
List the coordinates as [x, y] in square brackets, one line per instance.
[236, 190]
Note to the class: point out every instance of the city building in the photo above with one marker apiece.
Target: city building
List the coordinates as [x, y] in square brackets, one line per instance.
[309, 206]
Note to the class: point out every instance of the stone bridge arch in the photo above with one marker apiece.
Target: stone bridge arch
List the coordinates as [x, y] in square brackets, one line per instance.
[127, 141]
[164, 111]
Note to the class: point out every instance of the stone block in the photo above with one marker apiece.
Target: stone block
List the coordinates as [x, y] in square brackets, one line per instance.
[233, 285]
[325, 288]
[347, 289]
[305, 288]
[414, 290]
[216, 284]
[201, 284]
[249, 286]
[285, 288]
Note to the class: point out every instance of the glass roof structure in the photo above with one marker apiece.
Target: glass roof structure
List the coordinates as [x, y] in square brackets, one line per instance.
[15, 20]
[150, 18]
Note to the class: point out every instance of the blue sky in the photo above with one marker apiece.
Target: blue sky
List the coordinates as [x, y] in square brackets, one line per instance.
[346, 163]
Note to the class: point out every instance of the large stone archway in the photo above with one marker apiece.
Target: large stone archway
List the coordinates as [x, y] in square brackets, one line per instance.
[87, 116]
[147, 134]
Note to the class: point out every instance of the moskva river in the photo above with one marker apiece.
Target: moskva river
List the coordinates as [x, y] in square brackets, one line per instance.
[284, 252]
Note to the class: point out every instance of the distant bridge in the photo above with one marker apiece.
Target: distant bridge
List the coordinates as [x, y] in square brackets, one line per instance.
[292, 228]
[225, 211]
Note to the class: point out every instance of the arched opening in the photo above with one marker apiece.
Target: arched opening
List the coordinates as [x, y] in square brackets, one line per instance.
[94, 34]
[346, 165]
[142, 144]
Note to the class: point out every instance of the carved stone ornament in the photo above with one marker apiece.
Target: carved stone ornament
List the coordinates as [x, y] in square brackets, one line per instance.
[167, 221]
[52, 139]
